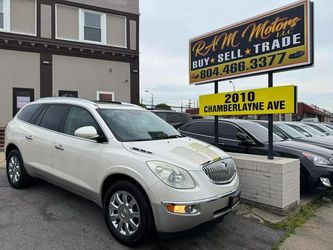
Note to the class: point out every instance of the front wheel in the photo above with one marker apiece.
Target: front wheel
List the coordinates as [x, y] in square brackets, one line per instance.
[16, 173]
[127, 213]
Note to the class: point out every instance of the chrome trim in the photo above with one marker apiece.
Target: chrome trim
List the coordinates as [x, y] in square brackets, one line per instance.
[218, 182]
[197, 202]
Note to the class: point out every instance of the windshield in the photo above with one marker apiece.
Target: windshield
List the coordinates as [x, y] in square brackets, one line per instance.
[312, 130]
[290, 131]
[259, 132]
[137, 125]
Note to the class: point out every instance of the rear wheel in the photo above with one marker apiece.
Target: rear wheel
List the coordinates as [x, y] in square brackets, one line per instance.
[16, 173]
[127, 213]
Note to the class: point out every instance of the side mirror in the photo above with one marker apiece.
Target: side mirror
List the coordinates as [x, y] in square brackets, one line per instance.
[306, 134]
[88, 132]
[244, 138]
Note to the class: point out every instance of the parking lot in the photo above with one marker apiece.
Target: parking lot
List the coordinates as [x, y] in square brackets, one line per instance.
[47, 217]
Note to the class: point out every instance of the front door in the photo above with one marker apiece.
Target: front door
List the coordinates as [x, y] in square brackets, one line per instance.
[21, 97]
[76, 159]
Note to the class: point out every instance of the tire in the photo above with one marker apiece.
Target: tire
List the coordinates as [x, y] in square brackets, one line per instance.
[127, 209]
[306, 184]
[16, 173]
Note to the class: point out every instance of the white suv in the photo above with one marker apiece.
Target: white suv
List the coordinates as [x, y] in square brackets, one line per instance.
[138, 168]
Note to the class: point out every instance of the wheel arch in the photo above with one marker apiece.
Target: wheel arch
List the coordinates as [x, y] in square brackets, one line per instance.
[9, 148]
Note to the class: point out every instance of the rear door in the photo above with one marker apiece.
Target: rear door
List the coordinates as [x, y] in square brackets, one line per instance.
[75, 158]
[40, 138]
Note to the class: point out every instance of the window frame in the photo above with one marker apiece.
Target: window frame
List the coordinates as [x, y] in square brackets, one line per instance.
[82, 25]
[99, 130]
[6, 16]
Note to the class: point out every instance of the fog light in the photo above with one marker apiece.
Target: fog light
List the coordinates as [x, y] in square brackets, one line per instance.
[181, 209]
[326, 182]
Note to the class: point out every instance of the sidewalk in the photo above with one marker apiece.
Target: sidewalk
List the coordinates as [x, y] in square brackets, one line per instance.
[316, 233]
[2, 159]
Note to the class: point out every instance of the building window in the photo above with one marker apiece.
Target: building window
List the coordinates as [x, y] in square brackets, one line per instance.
[4, 15]
[92, 26]
[105, 96]
[1, 15]
[68, 93]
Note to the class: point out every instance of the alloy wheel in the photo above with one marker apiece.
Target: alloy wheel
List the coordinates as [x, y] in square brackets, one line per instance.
[124, 213]
[14, 169]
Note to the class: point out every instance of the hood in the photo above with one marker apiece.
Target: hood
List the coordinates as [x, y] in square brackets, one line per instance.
[185, 152]
[301, 146]
[319, 141]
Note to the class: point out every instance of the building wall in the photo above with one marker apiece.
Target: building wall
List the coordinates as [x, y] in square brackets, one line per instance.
[23, 17]
[131, 6]
[19, 70]
[90, 75]
[32, 56]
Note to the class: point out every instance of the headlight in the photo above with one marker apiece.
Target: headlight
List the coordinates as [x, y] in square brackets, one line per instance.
[171, 175]
[317, 160]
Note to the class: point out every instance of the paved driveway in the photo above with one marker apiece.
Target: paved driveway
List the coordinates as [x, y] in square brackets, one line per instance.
[316, 233]
[47, 217]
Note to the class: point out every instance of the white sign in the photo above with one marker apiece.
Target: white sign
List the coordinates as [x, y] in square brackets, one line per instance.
[21, 101]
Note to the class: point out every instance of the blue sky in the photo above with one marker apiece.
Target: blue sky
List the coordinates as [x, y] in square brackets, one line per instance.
[167, 25]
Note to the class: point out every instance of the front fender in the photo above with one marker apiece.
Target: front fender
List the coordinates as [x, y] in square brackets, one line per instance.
[146, 179]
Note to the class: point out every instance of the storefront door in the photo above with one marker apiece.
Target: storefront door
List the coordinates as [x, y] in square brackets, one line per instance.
[21, 97]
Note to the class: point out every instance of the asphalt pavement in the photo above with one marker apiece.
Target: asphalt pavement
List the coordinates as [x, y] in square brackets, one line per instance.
[316, 233]
[47, 217]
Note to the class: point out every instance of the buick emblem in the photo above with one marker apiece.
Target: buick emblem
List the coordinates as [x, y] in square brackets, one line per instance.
[225, 168]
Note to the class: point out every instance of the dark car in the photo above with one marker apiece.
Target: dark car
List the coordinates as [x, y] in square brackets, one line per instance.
[287, 132]
[176, 119]
[248, 137]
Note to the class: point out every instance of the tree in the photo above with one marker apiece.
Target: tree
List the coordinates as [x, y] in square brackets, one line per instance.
[163, 106]
[142, 105]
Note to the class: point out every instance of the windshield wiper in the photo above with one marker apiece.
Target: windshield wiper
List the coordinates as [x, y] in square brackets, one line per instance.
[172, 136]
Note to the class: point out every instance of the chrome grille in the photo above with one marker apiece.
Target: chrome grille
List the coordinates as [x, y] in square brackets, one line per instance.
[221, 171]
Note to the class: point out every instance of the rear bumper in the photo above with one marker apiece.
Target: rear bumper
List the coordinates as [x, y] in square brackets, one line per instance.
[208, 210]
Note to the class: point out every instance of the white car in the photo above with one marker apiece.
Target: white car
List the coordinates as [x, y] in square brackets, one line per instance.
[138, 168]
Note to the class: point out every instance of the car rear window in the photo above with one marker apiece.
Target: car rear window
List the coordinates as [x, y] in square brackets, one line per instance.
[27, 113]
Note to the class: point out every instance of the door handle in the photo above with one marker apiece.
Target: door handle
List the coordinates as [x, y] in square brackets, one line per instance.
[29, 137]
[59, 147]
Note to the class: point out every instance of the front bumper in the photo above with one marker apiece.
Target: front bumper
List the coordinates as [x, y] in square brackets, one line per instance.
[208, 210]
[322, 176]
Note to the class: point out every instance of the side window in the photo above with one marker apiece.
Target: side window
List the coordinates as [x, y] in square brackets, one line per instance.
[228, 131]
[201, 128]
[178, 117]
[279, 133]
[27, 113]
[162, 115]
[77, 118]
[54, 117]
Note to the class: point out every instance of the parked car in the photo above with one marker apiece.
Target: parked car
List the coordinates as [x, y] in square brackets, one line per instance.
[321, 128]
[310, 120]
[176, 119]
[138, 168]
[305, 129]
[197, 117]
[287, 132]
[248, 137]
